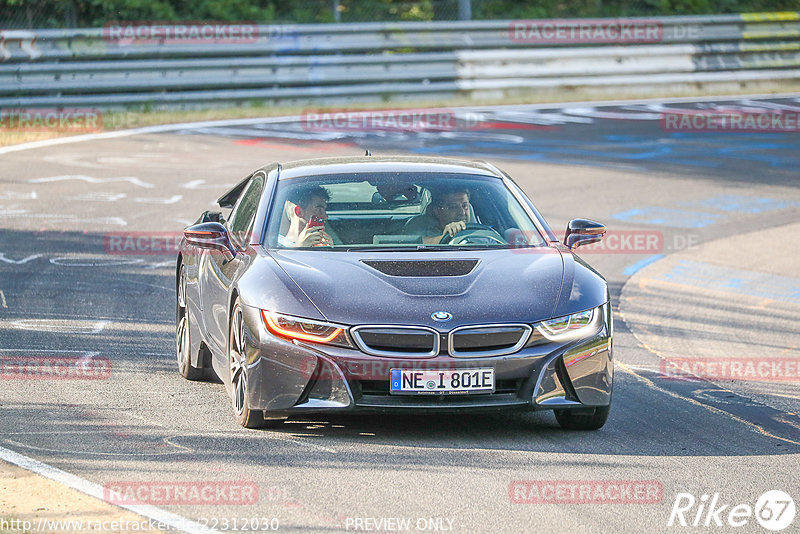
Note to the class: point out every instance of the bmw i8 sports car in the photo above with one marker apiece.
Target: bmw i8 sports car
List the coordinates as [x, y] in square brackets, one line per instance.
[392, 284]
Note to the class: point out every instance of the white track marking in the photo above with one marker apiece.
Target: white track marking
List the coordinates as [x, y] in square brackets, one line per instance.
[201, 184]
[61, 326]
[93, 262]
[3, 299]
[160, 265]
[98, 196]
[593, 112]
[95, 490]
[13, 195]
[171, 200]
[18, 262]
[72, 218]
[86, 359]
[91, 179]
[5, 211]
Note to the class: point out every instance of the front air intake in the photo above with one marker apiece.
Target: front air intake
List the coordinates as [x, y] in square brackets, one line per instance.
[411, 268]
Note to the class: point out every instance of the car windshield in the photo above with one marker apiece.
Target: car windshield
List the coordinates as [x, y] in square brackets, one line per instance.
[387, 211]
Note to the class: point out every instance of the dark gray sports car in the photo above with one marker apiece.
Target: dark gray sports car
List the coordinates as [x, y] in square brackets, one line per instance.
[392, 284]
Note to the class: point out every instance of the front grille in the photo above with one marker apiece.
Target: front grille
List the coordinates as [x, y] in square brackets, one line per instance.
[401, 341]
[482, 341]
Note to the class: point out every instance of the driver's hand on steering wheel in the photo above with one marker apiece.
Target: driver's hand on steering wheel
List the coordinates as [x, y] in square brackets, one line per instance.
[453, 228]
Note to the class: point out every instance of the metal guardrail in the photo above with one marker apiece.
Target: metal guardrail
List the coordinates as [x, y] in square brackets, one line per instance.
[388, 61]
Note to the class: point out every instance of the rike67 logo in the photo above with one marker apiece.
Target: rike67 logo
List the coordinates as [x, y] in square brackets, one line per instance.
[774, 510]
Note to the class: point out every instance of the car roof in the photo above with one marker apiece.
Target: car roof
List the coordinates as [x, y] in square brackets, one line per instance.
[342, 165]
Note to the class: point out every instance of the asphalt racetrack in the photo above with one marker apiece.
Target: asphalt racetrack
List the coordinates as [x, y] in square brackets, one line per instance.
[701, 259]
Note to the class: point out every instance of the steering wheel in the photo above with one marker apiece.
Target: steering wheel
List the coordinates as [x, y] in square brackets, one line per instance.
[472, 231]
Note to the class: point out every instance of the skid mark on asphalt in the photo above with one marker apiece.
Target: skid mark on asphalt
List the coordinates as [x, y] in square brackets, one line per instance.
[167, 442]
[645, 282]
[742, 204]
[753, 426]
[270, 435]
[676, 218]
[689, 218]
[729, 280]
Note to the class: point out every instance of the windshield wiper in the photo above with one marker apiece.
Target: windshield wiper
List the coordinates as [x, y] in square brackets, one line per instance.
[466, 247]
[389, 249]
[425, 248]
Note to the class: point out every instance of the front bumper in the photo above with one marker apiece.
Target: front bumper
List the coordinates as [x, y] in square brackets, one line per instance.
[287, 377]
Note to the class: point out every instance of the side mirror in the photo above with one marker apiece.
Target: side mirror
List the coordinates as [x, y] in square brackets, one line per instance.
[583, 232]
[212, 216]
[210, 236]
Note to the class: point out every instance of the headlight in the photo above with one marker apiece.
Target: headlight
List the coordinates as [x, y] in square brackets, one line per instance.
[304, 329]
[568, 328]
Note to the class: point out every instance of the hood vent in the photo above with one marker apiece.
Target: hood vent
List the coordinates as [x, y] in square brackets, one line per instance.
[423, 267]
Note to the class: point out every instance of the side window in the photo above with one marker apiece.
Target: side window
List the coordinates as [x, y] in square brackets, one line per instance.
[242, 216]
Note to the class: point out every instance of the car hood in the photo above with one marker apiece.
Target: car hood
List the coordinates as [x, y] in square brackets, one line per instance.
[473, 286]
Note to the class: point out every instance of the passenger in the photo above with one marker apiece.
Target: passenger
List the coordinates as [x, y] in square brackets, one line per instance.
[447, 214]
[307, 203]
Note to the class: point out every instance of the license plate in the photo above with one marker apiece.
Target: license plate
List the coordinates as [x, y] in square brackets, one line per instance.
[442, 382]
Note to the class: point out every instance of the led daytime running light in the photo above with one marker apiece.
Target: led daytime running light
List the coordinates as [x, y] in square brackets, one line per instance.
[270, 320]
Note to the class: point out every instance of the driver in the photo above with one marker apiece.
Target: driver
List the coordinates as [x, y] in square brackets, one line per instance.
[448, 214]
[308, 202]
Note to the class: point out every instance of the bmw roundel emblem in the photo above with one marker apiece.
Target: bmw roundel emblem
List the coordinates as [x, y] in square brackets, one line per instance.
[441, 316]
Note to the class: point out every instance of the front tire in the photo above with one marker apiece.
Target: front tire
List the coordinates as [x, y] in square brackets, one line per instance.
[573, 420]
[237, 357]
[183, 342]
